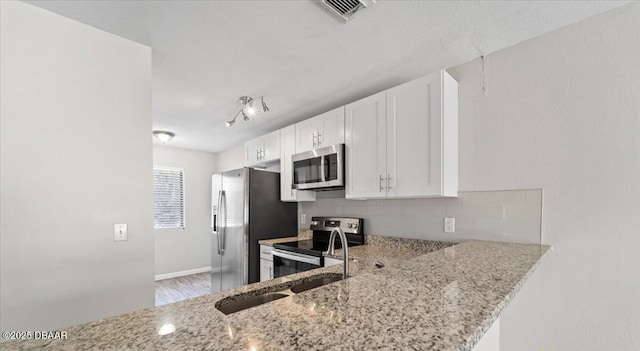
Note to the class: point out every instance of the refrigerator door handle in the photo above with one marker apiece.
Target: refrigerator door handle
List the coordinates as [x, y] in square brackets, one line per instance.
[214, 217]
[216, 225]
[221, 237]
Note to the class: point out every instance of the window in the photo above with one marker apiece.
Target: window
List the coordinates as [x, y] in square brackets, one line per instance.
[168, 197]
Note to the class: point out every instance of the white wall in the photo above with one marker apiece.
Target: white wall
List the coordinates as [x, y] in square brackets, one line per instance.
[186, 249]
[562, 113]
[231, 159]
[76, 158]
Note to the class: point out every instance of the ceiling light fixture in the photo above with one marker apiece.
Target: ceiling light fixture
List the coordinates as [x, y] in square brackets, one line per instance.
[248, 108]
[163, 135]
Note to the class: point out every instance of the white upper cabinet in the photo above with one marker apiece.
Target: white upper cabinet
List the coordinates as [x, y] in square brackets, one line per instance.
[288, 148]
[323, 130]
[271, 151]
[403, 142]
[305, 135]
[262, 150]
[365, 135]
[253, 150]
[330, 127]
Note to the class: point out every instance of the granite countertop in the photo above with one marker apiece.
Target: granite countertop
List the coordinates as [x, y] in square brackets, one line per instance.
[270, 242]
[422, 299]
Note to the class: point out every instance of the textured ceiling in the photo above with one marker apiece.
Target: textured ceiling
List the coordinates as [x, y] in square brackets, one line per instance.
[208, 53]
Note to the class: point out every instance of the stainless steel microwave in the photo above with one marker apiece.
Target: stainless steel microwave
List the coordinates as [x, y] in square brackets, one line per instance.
[319, 169]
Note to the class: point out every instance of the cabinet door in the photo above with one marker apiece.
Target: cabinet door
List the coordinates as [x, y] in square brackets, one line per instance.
[266, 270]
[306, 135]
[414, 154]
[287, 148]
[365, 136]
[330, 127]
[271, 150]
[328, 261]
[253, 149]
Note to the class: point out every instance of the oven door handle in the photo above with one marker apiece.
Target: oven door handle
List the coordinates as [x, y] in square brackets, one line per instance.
[296, 257]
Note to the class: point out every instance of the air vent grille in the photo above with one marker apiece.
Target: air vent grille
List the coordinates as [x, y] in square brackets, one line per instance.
[346, 9]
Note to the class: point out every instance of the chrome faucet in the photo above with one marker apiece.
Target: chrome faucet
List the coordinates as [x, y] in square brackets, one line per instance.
[345, 249]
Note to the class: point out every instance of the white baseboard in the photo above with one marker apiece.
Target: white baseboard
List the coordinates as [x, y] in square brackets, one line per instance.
[183, 273]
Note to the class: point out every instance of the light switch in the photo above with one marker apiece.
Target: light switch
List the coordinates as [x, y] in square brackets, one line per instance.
[449, 225]
[120, 232]
[303, 218]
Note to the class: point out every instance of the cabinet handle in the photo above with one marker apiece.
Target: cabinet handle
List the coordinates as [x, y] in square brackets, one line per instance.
[319, 142]
[262, 154]
[314, 140]
[381, 180]
[258, 154]
[388, 182]
[270, 272]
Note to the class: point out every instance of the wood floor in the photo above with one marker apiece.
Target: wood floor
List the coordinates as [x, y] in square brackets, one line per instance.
[182, 288]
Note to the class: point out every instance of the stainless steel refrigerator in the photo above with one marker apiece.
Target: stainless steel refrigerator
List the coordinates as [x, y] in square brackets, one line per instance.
[246, 207]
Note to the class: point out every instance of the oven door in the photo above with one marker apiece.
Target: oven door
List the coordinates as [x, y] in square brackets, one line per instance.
[285, 263]
[319, 169]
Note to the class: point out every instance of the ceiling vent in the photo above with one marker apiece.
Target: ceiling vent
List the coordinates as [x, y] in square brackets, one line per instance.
[346, 9]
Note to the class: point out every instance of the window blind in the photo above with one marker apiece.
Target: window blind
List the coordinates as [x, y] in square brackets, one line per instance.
[168, 197]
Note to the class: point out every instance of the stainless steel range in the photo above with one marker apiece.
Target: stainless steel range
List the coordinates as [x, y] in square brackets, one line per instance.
[302, 255]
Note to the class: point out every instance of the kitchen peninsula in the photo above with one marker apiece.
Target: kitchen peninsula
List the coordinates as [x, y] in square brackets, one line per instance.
[421, 299]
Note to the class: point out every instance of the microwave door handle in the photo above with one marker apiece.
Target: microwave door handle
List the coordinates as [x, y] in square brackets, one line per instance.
[323, 170]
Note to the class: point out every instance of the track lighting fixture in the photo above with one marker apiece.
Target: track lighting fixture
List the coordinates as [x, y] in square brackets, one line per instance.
[248, 108]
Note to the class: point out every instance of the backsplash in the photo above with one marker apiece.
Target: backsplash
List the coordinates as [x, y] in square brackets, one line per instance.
[510, 215]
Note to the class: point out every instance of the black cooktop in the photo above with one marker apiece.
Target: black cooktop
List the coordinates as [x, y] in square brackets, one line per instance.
[308, 247]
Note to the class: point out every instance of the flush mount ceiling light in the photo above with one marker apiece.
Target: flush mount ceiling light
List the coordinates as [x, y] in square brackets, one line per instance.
[249, 108]
[163, 135]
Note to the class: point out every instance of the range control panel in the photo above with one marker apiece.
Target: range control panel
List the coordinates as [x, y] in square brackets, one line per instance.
[348, 225]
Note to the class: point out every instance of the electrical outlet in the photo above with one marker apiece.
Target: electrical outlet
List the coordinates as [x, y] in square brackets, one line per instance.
[449, 225]
[303, 218]
[120, 232]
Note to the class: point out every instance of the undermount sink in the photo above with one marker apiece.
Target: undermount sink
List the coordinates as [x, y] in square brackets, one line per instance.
[315, 283]
[236, 303]
[248, 302]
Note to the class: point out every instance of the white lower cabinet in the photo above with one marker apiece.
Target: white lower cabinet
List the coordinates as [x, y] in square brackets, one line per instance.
[266, 270]
[403, 142]
[266, 263]
[329, 261]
